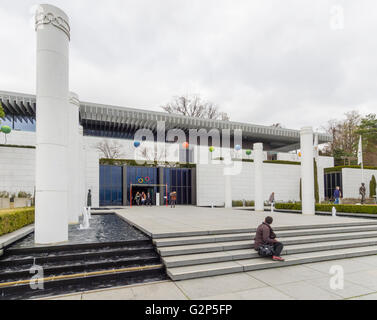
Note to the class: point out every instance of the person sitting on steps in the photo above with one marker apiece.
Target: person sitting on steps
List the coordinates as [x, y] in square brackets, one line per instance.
[265, 236]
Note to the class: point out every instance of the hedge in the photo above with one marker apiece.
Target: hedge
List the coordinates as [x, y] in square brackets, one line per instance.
[339, 168]
[347, 208]
[283, 162]
[133, 163]
[17, 146]
[14, 219]
[239, 203]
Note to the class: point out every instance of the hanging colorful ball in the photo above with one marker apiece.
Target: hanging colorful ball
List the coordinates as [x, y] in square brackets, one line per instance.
[185, 145]
[299, 154]
[211, 149]
[137, 144]
[6, 129]
[248, 152]
[238, 147]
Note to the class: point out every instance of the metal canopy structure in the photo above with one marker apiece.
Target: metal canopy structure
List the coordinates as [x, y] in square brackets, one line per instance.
[122, 122]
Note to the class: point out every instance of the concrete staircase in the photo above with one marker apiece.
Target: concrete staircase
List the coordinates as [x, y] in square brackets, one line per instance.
[79, 267]
[202, 254]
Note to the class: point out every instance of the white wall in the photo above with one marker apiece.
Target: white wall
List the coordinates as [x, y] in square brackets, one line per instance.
[352, 181]
[92, 176]
[282, 179]
[21, 138]
[17, 169]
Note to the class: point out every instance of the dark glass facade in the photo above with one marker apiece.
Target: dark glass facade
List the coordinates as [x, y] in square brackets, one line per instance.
[24, 123]
[111, 185]
[144, 179]
[179, 180]
[332, 180]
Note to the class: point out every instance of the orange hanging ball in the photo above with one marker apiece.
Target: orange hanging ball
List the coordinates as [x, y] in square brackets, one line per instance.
[185, 145]
[299, 154]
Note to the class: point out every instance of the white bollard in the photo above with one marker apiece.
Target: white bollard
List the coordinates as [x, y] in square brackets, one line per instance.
[228, 191]
[51, 215]
[333, 211]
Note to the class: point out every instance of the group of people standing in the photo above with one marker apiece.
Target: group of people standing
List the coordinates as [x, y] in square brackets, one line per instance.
[143, 199]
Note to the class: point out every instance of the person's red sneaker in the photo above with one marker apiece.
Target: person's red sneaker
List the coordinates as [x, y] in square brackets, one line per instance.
[275, 258]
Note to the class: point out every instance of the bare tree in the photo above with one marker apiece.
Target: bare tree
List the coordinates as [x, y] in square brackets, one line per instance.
[151, 155]
[110, 150]
[194, 106]
[345, 137]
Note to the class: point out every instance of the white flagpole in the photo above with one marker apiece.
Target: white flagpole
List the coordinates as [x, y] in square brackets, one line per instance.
[360, 158]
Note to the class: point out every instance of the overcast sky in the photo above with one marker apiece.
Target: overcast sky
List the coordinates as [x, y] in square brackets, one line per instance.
[296, 62]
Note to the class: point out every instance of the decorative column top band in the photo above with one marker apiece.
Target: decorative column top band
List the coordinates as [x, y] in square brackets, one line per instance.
[74, 99]
[43, 18]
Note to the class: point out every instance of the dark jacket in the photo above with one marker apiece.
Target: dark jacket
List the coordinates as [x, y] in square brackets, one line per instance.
[264, 235]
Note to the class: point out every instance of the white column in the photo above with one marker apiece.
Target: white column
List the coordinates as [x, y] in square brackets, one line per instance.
[307, 171]
[228, 190]
[73, 159]
[82, 202]
[51, 220]
[258, 176]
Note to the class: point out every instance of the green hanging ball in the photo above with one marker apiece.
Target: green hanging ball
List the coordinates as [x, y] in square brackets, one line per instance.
[248, 152]
[211, 149]
[6, 129]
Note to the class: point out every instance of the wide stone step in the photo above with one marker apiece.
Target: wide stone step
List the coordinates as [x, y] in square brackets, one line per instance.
[83, 281]
[168, 242]
[166, 235]
[85, 255]
[249, 243]
[71, 267]
[223, 256]
[242, 265]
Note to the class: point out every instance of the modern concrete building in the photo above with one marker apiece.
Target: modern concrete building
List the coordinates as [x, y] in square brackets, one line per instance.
[195, 180]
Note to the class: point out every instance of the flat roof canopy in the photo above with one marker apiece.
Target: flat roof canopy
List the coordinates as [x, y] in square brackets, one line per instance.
[124, 119]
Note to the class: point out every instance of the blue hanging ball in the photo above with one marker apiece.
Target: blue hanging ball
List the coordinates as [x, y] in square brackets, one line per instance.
[238, 147]
[137, 144]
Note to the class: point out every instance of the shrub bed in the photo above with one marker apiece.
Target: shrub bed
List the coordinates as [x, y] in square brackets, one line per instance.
[347, 208]
[239, 203]
[14, 219]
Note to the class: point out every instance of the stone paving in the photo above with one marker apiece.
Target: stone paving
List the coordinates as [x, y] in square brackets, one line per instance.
[160, 220]
[307, 281]
[303, 282]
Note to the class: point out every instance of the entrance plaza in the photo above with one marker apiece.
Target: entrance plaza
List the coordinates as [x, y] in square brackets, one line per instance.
[189, 220]
[305, 281]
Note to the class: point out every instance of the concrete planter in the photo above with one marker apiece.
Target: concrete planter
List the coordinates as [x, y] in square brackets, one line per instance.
[22, 202]
[4, 203]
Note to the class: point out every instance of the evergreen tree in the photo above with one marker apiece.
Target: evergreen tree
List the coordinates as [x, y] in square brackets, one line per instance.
[316, 187]
[372, 187]
[2, 113]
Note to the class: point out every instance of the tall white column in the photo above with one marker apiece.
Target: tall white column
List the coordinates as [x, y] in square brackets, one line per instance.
[73, 159]
[53, 32]
[307, 171]
[228, 190]
[258, 176]
[83, 187]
